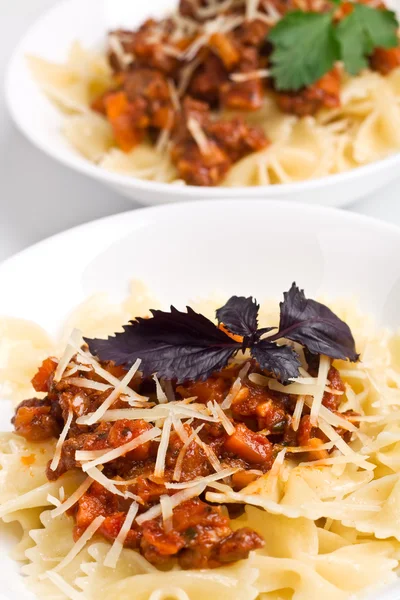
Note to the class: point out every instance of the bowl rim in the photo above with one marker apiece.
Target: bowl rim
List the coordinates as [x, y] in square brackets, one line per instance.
[207, 204]
[73, 160]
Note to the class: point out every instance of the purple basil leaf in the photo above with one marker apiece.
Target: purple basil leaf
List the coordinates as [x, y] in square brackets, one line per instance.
[175, 345]
[315, 326]
[282, 361]
[239, 315]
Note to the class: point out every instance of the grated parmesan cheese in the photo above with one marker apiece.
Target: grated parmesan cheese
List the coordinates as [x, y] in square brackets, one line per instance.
[181, 455]
[233, 392]
[198, 135]
[209, 452]
[119, 389]
[53, 500]
[161, 396]
[344, 447]
[324, 366]
[298, 411]
[73, 499]
[89, 384]
[74, 341]
[206, 480]
[219, 413]
[98, 476]
[64, 587]
[80, 544]
[162, 448]
[242, 77]
[167, 512]
[63, 436]
[114, 553]
[124, 449]
[176, 500]
[124, 58]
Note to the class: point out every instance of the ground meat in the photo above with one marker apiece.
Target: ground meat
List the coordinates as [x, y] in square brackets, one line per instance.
[207, 80]
[199, 168]
[269, 410]
[325, 93]
[214, 389]
[237, 138]
[333, 401]
[147, 45]
[38, 420]
[252, 33]
[42, 381]
[246, 95]
[201, 538]
[227, 141]
[310, 436]
[143, 101]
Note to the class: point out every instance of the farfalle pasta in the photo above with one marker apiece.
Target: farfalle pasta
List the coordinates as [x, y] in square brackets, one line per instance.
[329, 521]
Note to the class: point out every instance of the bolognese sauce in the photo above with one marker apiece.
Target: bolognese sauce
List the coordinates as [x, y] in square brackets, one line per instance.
[241, 441]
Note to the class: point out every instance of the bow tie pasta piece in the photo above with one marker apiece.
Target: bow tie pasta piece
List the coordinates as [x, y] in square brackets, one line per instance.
[52, 541]
[384, 493]
[142, 162]
[23, 481]
[18, 338]
[90, 134]
[72, 86]
[134, 572]
[27, 519]
[379, 134]
[308, 493]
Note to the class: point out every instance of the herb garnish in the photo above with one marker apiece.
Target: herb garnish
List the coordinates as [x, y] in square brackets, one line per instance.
[187, 346]
[307, 44]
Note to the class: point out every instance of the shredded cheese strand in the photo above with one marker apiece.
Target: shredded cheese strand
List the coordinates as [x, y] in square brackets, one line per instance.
[82, 489]
[64, 587]
[81, 543]
[179, 461]
[124, 383]
[63, 436]
[147, 436]
[114, 552]
[208, 479]
[176, 500]
[324, 366]
[162, 448]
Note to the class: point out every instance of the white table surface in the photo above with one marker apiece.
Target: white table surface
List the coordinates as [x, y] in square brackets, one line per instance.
[39, 197]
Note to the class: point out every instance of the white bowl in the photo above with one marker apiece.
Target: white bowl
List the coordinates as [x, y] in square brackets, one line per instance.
[52, 35]
[187, 250]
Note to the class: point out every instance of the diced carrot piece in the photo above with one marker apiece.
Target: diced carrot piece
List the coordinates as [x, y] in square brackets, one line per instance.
[385, 60]
[225, 49]
[252, 447]
[119, 113]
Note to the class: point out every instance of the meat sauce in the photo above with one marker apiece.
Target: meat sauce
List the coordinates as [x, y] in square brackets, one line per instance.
[200, 535]
[159, 80]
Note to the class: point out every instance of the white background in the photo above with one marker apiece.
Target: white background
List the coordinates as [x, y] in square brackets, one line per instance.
[38, 197]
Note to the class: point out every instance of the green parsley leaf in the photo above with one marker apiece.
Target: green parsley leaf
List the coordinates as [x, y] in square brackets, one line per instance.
[364, 29]
[305, 48]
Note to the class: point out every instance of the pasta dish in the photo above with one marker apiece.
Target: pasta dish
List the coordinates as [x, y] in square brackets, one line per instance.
[236, 92]
[256, 450]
